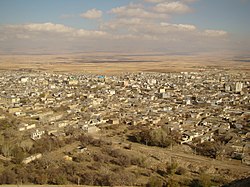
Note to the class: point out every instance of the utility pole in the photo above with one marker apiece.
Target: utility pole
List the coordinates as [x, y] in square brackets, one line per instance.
[171, 149]
[78, 181]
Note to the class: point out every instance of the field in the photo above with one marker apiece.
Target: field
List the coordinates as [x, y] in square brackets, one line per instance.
[111, 64]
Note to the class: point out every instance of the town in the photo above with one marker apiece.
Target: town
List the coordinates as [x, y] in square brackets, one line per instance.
[206, 111]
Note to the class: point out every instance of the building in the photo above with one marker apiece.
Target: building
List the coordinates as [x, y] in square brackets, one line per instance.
[24, 79]
[238, 87]
[32, 158]
[162, 90]
[114, 121]
[9, 100]
[24, 127]
[93, 129]
[246, 160]
[37, 134]
[165, 95]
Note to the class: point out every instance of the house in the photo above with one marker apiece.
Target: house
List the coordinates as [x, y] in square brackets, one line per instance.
[164, 95]
[114, 121]
[187, 137]
[84, 127]
[152, 81]
[207, 137]
[67, 158]
[52, 131]
[19, 114]
[32, 158]
[37, 134]
[112, 92]
[224, 128]
[24, 79]
[238, 87]
[238, 148]
[2, 117]
[14, 110]
[93, 129]
[227, 88]
[32, 126]
[246, 160]
[73, 82]
[24, 127]
[246, 149]
[45, 114]
[50, 118]
[61, 124]
[90, 128]
[162, 90]
[125, 83]
[9, 100]
[81, 149]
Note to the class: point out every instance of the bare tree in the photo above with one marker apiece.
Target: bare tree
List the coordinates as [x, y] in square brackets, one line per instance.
[6, 149]
[26, 145]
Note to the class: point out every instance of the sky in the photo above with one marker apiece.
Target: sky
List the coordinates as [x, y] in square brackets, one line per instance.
[169, 26]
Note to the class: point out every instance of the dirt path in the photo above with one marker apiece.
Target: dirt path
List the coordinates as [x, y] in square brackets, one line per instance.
[59, 153]
[164, 155]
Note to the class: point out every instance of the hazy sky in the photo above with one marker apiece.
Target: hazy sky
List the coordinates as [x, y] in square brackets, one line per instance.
[171, 26]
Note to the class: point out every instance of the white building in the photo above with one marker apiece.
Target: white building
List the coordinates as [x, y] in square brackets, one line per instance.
[239, 86]
[37, 134]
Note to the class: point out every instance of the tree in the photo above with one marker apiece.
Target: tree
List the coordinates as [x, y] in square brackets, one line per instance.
[18, 154]
[8, 177]
[23, 174]
[10, 134]
[156, 137]
[204, 180]
[172, 168]
[57, 177]
[172, 183]
[6, 149]
[210, 149]
[1, 139]
[26, 145]
[155, 182]
[4, 124]
[41, 178]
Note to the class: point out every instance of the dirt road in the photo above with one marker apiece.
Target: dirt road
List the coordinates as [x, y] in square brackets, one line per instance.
[164, 155]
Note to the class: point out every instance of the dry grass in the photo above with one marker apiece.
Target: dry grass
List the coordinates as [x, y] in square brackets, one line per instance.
[107, 63]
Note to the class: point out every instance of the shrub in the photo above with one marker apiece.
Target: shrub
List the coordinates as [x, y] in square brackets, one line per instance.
[8, 177]
[155, 182]
[156, 137]
[181, 171]
[172, 183]
[171, 168]
[18, 154]
[203, 181]
[210, 149]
